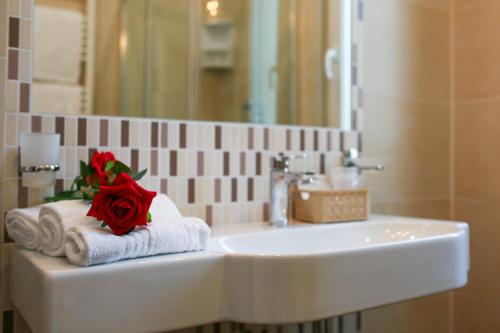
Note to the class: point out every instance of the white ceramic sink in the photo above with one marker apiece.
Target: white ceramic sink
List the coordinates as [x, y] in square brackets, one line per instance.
[251, 274]
[306, 273]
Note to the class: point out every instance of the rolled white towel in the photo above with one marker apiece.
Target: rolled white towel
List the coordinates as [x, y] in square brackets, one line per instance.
[56, 218]
[23, 227]
[168, 232]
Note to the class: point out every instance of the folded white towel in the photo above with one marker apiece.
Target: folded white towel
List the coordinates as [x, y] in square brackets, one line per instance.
[56, 98]
[58, 44]
[23, 227]
[56, 218]
[169, 232]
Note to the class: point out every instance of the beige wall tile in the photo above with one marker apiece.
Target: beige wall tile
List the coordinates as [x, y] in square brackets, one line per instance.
[12, 97]
[406, 50]
[477, 52]
[3, 80]
[14, 7]
[476, 305]
[25, 40]
[3, 28]
[412, 140]
[25, 66]
[429, 314]
[476, 161]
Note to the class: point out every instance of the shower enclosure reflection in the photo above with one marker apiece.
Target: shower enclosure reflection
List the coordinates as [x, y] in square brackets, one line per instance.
[260, 61]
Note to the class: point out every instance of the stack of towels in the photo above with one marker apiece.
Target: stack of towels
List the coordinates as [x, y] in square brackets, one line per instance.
[64, 229]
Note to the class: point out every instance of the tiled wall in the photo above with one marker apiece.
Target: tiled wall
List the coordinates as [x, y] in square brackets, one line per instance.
[407, 128]
[216, 171]
[476, 159]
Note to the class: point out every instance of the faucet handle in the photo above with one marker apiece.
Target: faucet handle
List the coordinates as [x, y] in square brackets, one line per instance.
[282, 161]
[349, 158]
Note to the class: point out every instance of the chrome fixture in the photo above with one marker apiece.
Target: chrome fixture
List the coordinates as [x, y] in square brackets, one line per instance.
[39, 159]
[349, 158]
[282, 181]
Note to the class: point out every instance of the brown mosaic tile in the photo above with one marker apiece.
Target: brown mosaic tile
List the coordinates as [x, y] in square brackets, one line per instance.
[154, 163]
[226, 164]
[104, 132]
[217, 190]
[258, 164]
[191, 190]
[164, 135]
[125, 133]
[266, 138]
[92, 151]
[288, 139]
[265, 211]
[22, 195]
[200, 164]
[342, 141]
[60, 129]
[164, 185]
[329, 141]
[82, 132]
[24, 98]
[302, 139]
[154, 134]
[36, 124]
[173, 163]
[354, 119]
[234, 189]
[360, 142]
[322, 166]
[59, 186]
[13, 65]
[243, 163]
[316, 140]
[218, 137]
[134, 160]
[250, 190]
[251, 138]
[182, 135]
[14, 32]
[209, 215]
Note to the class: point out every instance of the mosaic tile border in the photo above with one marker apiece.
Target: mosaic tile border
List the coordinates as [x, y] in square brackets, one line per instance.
[208, 169]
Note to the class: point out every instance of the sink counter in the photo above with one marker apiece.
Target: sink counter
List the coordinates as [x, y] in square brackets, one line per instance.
[251, 273]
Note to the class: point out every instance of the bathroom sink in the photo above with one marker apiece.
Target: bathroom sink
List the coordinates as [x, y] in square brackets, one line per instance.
[300, 239]
[308, 272]
[250, 273]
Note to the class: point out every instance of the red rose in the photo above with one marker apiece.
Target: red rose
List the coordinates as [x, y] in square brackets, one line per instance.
[123, 205]
[99, 162]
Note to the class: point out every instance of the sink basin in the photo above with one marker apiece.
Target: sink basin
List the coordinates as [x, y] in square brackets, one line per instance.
[308, 272]
[250, 273]
[301, 240]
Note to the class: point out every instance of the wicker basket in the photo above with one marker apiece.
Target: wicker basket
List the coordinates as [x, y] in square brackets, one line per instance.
[324, 206]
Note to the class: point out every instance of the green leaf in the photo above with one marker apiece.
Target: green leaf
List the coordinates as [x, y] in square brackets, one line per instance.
[139, 175]
[103, 225]
[65, 195]
[109, 165]
[119, 167]
[149, 217]
[85, 169]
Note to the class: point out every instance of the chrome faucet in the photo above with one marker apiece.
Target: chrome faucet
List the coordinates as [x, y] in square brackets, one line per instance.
[349, 158]
[282, 181]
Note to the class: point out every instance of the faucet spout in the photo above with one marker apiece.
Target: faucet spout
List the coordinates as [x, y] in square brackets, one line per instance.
[282, 181]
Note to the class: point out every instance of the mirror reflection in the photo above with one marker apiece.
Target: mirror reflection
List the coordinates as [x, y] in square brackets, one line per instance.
[260, 61]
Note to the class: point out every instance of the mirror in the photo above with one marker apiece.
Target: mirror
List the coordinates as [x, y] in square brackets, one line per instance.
[259, 61]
